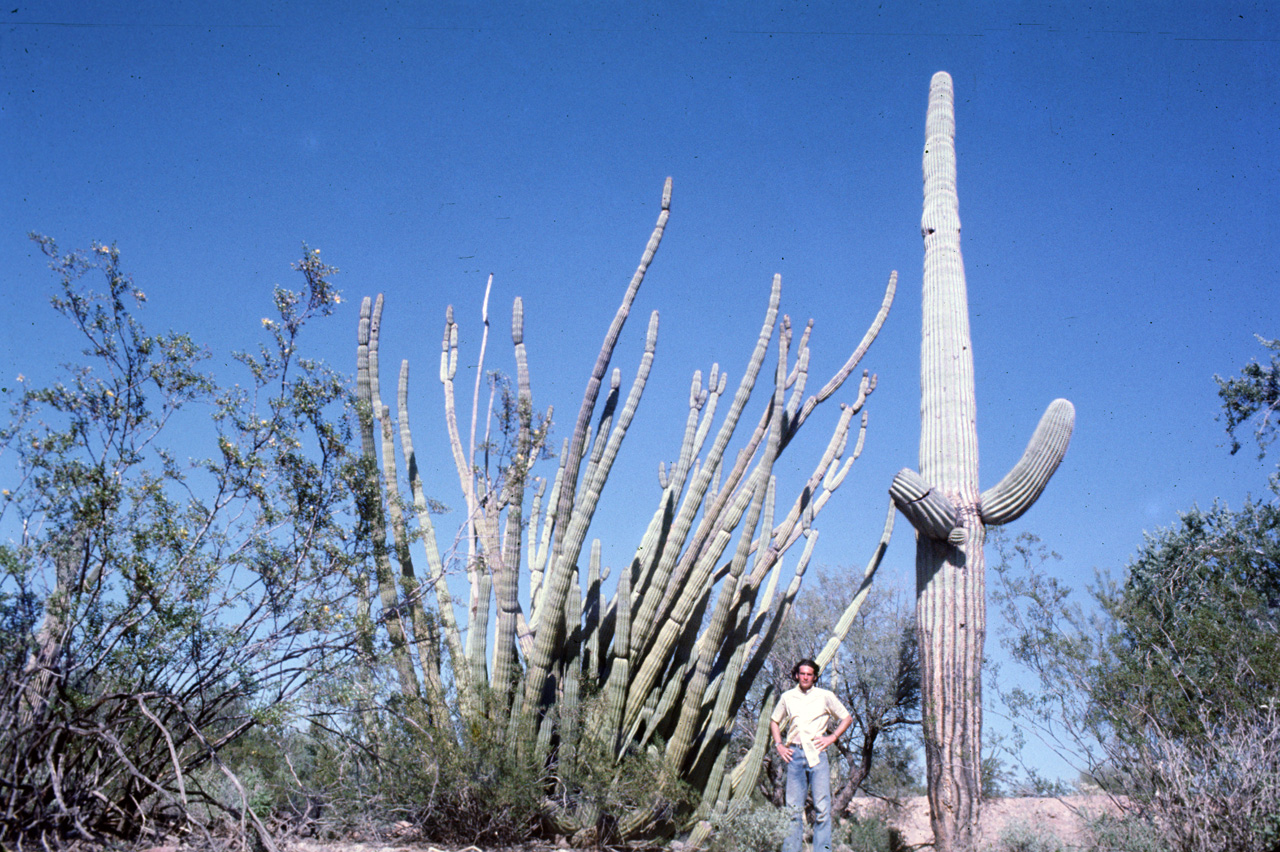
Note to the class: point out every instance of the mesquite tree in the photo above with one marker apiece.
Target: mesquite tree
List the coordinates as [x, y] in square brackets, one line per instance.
[576, 682]
[944, 504]
[158, 609]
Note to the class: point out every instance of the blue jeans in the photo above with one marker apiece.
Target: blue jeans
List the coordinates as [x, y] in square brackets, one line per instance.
[801, 779]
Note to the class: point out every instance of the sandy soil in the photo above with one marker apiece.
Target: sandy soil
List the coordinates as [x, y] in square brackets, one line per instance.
[1062, 817]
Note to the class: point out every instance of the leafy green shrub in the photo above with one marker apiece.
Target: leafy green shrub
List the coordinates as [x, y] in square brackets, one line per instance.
[761, 828]
[1174, 675]
[1020, 837]
[867, 834]
[1130, 833]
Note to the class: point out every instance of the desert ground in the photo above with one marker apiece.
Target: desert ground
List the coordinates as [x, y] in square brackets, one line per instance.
[1063, 817]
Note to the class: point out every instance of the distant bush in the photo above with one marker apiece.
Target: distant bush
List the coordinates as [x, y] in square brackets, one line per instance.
[1130, 833]
[1020, 837]
[867, 834]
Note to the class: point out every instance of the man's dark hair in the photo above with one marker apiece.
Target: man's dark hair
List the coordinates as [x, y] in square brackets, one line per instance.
[795, 670]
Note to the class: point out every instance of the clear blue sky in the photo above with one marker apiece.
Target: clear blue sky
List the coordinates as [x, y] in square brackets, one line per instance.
[1118, 183]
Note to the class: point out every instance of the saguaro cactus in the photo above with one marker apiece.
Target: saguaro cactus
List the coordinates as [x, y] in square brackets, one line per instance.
[942, 501]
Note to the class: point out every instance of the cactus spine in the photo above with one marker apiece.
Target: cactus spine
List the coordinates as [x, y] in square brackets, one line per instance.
[942, 501]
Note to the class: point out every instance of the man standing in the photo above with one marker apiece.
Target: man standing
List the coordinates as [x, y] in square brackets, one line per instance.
[806, 711]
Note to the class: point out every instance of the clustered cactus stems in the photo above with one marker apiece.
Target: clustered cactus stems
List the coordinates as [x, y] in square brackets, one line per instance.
[576, 681]
[942, 501]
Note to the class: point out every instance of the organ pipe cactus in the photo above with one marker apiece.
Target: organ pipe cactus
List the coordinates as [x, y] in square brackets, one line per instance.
[570, 673]
[944, 505]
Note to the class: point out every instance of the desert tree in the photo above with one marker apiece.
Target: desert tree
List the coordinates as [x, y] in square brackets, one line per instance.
[173, 555]
[875, 672]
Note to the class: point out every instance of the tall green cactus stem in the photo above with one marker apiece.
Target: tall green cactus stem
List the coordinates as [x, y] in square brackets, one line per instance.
[435, 578]
[507, 569]
[944, 505]
[570, 535]
[370, 409]
[565, 561]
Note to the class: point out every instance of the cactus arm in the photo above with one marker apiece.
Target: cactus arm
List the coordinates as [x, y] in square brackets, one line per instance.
[603, 430]
[760, 645]
[435, 579]
[615, 690]
[651, 547]
[448, 371]
[702, 408]
[827, 476]
[797, 392]
[800, 372]
[386, 580]
[524, 633]
[672, 568]
[364, 625]
[592, 606]
[788, 529]
[855, 358]
[762, 563]
[531, 535]
[740, 779]
[776, 541]
[716, 384]
[570, 701]
[1022, 485]
[748, 769]
[364, 379]
[717, 785]
[375, 326]
[645, 563]
[424, 638]
[545, 641]
[478, 578]
[678, 745]
[371, 409]
[926, 508]
[719, 725]
[770, 589]
[507, 571]
[478, 617]
[836, 475]
[660, 703]
[851, 611]
[573, 458]
[538, 565]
